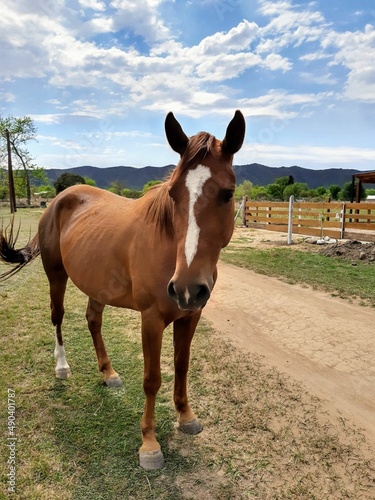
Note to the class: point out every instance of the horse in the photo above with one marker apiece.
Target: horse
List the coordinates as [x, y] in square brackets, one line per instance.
[157, 255]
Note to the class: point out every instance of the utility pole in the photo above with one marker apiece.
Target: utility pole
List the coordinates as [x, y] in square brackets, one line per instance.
[12, 195]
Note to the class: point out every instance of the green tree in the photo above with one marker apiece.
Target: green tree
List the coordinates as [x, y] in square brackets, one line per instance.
[259, 193]
[88, 181]
[275, 191]
[321, 190]
[131, 193]
[66, 180]
[21, 131]
[3, 184]
[346, 193]
[285, 180]
[243, 189]
[297, 189]
[334, 191]
[149, 185]
[116, 187]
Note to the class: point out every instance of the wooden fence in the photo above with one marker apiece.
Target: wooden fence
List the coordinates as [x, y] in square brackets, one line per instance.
[339, 220]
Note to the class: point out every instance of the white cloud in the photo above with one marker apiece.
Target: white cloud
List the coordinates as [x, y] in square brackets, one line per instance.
[356, 52]
[279, 104]
[47, 118]
[7, 96]
[236, 39]
[140, 17]
[316, 156]
[322, 79]
[93, 4]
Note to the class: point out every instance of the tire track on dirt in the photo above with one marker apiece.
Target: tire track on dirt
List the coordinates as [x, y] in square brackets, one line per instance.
[324, 342]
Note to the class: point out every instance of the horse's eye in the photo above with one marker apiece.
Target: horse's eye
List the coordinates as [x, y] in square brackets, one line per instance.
[225, 195]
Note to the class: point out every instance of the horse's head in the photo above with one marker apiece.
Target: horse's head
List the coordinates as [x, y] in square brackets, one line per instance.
[202, 188]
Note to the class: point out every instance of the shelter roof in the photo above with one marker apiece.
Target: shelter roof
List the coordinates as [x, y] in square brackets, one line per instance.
[366, 177]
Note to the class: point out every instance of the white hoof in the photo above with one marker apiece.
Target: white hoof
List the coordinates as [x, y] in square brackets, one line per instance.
[63, 373]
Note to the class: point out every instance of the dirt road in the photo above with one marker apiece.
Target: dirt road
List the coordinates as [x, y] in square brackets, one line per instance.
[324, 342]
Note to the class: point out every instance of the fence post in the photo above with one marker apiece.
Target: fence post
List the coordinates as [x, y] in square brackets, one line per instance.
[342, 228]
[244, 201]
[290, 220]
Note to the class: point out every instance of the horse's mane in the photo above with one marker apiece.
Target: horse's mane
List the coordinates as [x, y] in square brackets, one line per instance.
[161, 207]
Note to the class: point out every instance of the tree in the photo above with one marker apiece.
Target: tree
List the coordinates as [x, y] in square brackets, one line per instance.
[149, 185]
[116, 187]
[131, 193]
[275, 191]
[89, 181]
[321, 190]
[334, 190]
[259, 193]
[21, 131]
[67, 180]
[243, 189]
[295, 189]
[346, 193]
[3, 184]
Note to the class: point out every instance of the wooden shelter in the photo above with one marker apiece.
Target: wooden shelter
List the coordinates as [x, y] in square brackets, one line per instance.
[362, 178]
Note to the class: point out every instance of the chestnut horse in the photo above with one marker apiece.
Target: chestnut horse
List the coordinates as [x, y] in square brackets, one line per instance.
[157, 255]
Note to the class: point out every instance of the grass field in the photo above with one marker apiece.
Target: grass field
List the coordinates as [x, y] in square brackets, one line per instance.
[264, 436]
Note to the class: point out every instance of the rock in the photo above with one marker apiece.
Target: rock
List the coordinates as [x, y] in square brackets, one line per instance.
[312, 240]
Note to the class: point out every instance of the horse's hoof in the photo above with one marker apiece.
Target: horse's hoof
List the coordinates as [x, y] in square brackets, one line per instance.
[113, 382]
[192, 427]
[151, 460]
[63, 373]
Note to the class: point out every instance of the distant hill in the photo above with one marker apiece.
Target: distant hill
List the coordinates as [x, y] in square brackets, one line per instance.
[261, 175]
[130, 177]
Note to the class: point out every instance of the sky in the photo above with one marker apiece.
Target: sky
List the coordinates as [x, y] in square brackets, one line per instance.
[98, 78]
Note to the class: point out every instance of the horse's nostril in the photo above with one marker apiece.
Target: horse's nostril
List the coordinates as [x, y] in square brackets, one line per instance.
[172, 291]
[203, 295]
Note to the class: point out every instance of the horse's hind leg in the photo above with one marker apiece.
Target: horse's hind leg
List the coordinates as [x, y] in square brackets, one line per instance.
[94, 316]
[57, 292]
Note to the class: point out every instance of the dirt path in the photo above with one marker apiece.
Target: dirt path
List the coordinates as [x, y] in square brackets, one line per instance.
[324, 342]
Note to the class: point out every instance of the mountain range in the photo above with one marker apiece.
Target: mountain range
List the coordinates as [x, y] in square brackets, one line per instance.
[260, 175]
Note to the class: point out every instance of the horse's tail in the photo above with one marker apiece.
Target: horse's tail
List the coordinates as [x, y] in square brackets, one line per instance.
[11, 255]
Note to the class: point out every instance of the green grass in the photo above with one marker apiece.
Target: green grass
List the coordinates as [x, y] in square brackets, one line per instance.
[330, 274]
[264, 436]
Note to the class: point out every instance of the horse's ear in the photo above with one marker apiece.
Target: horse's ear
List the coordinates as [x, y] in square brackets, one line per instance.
[235, 134]
[177, 138]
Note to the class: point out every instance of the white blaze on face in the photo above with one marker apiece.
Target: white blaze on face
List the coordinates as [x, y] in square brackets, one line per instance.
[195, 181]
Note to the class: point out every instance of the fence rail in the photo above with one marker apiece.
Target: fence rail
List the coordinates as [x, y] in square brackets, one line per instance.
[334, 219]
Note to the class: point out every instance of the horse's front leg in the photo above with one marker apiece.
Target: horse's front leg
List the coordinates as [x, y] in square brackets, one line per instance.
[150, 455]
[183, 332]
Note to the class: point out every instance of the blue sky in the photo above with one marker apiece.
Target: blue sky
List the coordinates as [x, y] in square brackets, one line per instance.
[98, 78]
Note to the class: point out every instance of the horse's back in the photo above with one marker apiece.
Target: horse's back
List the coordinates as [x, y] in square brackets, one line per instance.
[81, 197]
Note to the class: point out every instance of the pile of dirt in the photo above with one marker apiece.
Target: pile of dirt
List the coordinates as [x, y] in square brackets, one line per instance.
[351, 250]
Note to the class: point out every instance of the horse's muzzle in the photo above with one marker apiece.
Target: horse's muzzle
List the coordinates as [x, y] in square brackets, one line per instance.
[190, 298]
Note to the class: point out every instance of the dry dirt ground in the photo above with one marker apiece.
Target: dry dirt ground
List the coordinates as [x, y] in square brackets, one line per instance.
[323, 342]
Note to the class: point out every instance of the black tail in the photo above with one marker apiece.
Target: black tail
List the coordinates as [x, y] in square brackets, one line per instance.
[11, 255]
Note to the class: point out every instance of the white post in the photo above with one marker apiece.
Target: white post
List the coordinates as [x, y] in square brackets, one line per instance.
[290, 219]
